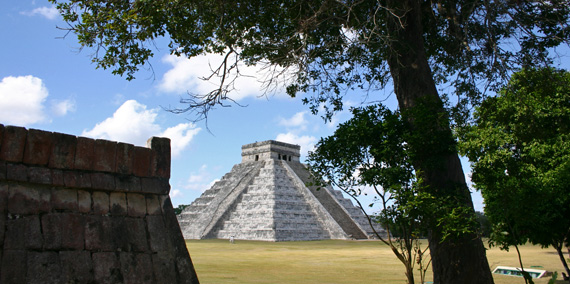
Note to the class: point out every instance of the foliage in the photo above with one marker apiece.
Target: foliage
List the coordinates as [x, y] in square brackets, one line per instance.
[180, 208]
[553, 279]
[370, 151]
[485, 229]
[373, 155]
[519, 147]
[330, 46]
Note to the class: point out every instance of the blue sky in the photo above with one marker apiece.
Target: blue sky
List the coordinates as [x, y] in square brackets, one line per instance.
[47, 83]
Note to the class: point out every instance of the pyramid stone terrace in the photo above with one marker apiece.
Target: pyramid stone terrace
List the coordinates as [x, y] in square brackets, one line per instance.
[265, 197]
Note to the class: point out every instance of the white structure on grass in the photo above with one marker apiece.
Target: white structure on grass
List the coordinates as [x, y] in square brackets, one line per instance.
[265, 198]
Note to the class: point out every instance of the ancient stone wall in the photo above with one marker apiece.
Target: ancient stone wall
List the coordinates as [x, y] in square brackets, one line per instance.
[79, 210]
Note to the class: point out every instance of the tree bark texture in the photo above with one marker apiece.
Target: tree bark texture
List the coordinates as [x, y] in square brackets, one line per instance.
[461, 259]
[558, 248]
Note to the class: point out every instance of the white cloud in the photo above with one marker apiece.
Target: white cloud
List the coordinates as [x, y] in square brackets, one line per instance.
[61, 108]
[180, 136]
[185, 77]
[21, 100]
[176, 193]
[297, 120]
[201, 180]
[306, 142]
[133, 123]
[49, 13]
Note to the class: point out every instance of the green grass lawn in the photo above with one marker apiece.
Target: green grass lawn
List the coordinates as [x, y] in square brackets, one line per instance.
[333, 261]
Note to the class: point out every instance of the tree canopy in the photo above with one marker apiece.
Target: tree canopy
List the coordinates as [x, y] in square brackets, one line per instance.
[519, 147]
[326, 48]
[370, 152]
[330, 45]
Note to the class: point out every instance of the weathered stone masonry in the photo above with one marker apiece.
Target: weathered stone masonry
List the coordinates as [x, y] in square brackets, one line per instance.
[79, 210]
[266, 198]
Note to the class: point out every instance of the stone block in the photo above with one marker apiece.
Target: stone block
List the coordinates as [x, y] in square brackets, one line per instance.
[39, 175]
[2, 170]
[155, 185]
[124, 156]
[136, 205]
[105, 152]
[136, 267]
[38, 147]
[153, 163]
[77, 179]
[83, 201]
[16, 172]
[76, 267]
[70, 178]
[128, 183]
[184, 266]
[23, 233]
[118, 203]
[63, 231]
[14, 267]
[13, 144]
[185, 269]
[141, 161]
[64, 199]
[27, 200]
[57, 177]
[3, 217]
[100, 203]
[171, 222]
[63, 151]
[164, 267]
[99, 233]
[108, 233]
[153, 205]
[137, 237]
[107, 268]
[161, 160]
[43, 268]
[120, 234]
[103, 181]
[84, 153]
[164, 201]
[4, 194]
[158, 236]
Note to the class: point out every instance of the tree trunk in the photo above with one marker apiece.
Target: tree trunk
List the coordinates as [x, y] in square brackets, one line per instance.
[459, 259]
[558, 248]
[410, 273]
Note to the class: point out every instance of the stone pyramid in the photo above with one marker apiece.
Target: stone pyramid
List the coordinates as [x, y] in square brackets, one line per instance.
[265, 198]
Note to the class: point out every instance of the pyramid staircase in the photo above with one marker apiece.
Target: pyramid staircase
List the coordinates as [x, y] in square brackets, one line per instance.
[265, 198]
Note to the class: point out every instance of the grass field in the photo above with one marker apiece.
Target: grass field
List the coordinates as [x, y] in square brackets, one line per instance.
[333, 261]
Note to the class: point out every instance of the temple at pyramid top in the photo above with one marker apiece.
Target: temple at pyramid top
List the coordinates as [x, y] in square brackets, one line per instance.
[270, 149]
[266, 197]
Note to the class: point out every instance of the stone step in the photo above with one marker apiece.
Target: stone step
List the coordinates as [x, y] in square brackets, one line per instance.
[274, 205]
[202, 200]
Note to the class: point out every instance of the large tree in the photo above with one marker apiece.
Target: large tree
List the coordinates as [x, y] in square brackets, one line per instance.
[520, 150]
[369, 151]
[329, 47]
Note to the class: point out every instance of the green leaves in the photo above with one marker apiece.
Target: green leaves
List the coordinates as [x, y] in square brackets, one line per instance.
[519, 149]
[331, 47]
[371, 144]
